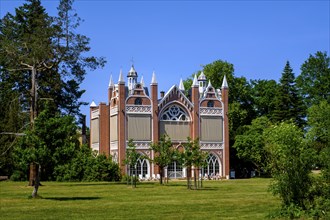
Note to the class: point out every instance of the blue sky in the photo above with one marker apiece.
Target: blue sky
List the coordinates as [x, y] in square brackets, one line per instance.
[174, 38]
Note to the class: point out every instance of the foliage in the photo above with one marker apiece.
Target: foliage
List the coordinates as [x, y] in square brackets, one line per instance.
[314, 80]
[86, 166]
[53, 142]
[131, 159]
[251, 144]
[289, 105]
[163, 154]
[263, 93]
[192, 156]
[318, 120]
[51, 47]
[290, 165]
[42, 58]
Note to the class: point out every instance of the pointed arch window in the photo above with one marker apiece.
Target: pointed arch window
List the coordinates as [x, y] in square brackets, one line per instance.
[210, 103]
[142, 167]
[213, 165]
[174, 113]
[138, 101]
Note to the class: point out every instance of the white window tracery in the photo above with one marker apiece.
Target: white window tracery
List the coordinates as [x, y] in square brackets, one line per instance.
[174, 113]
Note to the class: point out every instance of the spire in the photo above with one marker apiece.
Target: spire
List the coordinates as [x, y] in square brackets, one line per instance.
[195, 83]
[121, 78]
[202, 77]
[153, 79]
[224, 82]
[209, 85]
[181, 86]
[92, 105]
[110, 81]
[142, 81]
[132, 72]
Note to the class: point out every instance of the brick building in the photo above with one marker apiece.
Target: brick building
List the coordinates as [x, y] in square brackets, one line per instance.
[132, 113]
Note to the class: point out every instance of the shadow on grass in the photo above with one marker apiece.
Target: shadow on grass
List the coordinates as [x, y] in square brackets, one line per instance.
[74, 184]
[72, 198]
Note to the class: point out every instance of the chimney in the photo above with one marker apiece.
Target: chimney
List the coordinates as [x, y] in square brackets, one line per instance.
[162, 94]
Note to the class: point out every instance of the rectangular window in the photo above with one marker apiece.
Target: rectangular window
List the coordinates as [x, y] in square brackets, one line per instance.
[176, 130]
[211, 129]
[139, 127]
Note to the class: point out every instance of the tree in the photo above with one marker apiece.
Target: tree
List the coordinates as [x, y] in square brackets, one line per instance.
[131, 159]
[318, 120]
[263, 93]
[192, 156]
[42, 58]
[250, 145]
[241, 110]
[288, 103]
[163, 154]
[52, 142]
[46, 59]
[314, 80]
[290, 165]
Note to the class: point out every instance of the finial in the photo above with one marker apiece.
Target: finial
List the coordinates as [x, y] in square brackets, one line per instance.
[153, 79]
[110, 81]
[195, 83]
[181, 86]
[224, 82]
[142, 81]
[121, 78]
[209, 85]
[92, 105]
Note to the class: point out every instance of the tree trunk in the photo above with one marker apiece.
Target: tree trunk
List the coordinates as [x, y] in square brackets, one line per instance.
[161, 175]
[33, 173]
[188, 177]
[33, 96]
[195, 178]
[36, 182]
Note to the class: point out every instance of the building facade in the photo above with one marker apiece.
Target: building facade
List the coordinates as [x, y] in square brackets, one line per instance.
[133, 113]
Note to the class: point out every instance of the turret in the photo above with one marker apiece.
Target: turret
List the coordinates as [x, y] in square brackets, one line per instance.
[201, 83]
[132, 78]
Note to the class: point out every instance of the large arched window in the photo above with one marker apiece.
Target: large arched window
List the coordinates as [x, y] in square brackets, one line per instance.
[174, 113]
[213, 166]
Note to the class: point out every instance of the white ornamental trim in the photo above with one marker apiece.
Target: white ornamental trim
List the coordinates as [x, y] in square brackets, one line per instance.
[95, 146]
[113, 145]
[211, 146]
[114, 111]
[95, 114]
[141, 145]
[142, 109]
[210, 111]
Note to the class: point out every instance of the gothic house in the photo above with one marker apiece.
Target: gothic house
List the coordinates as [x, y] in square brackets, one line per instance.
[133, 113]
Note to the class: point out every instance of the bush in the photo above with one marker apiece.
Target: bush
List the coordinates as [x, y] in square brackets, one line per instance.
[87, 167]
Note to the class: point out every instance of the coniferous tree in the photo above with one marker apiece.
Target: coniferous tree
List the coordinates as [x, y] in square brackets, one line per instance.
[288, 103]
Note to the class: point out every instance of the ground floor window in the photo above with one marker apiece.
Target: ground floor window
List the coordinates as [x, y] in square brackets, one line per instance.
[142, 168]
[174, 170]
[213, 166]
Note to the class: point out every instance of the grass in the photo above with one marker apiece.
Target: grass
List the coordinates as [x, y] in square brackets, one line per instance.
[226, 199]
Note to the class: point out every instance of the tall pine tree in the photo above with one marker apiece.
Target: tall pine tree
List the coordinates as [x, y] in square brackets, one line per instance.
[289, 104]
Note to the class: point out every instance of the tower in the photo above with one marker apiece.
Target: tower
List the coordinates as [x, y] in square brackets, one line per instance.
[201, 83]
[132, 78]
[224, 94]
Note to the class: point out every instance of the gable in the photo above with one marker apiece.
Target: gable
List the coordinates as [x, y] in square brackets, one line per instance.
[175, 94]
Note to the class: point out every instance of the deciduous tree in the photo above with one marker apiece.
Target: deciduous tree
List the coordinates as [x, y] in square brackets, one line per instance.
[314, 80]
[163, 154]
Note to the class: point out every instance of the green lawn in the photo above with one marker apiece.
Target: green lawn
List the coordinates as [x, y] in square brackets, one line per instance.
[226, 199]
